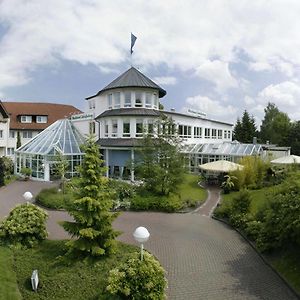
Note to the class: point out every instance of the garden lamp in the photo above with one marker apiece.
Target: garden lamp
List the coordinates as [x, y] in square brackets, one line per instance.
[141, 235]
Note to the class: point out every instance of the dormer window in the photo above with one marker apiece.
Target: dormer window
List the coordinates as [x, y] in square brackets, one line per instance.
[117, 98]
[138, 99]
[110, 98]
[41, 119]
[26, 119]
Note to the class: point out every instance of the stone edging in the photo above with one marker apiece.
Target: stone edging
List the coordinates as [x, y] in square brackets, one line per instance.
[259, 254]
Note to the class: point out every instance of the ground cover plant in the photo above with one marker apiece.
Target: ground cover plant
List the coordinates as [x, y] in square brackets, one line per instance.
[270, 217]
[64, 279]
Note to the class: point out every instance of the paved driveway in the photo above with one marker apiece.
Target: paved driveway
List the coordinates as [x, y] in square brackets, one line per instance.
[204, 259]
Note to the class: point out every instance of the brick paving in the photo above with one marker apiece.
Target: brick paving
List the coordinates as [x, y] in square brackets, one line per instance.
[204, 259]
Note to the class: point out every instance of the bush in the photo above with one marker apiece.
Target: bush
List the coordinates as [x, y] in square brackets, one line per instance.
[25, 225]
[146, 201]
[26, 172]
[136, 279]
[53, 198]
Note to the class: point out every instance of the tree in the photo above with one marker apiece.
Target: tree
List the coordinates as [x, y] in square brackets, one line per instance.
[2, 172]
[61, 168]
[294, 138]
[162, 164]
[18, 140]
[245, 129]
[275, 126]
[92, 226]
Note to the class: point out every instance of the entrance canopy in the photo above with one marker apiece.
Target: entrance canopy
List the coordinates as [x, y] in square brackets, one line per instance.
[221, 166]
[287, 160]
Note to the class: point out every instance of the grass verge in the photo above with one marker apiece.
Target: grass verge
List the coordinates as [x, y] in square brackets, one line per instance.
[61, 280]
[8, 281]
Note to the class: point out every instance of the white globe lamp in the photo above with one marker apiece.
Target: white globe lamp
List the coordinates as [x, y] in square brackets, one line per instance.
[27, 196]
[141, 235]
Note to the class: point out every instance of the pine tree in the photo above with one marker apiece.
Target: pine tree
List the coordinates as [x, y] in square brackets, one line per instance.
[2, 171]
[238, 130]
[92, 226]
[245, 129]
[18, 140]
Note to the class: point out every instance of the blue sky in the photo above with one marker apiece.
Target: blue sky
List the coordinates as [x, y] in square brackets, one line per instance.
[219, 57]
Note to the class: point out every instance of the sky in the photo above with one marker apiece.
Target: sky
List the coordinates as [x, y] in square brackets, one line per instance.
[219, 56]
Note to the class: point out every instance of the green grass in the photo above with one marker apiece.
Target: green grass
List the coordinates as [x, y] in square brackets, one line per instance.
[8, 281]
[62, 280]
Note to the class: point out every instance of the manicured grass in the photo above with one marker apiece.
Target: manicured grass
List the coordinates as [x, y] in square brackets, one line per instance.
[8, 281]
[62, 280]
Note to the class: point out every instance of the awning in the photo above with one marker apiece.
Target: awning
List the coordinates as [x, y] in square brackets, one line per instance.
[221, 166]
[287, 160]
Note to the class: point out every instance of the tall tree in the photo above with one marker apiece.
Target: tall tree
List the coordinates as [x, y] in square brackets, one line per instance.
[92, 227]
[18, 140]
[275, 126]
[245, 129]
[162, 164]
[294, 138]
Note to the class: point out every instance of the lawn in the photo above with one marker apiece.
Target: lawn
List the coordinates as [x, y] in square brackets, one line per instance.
[8, 287]
[60, 279]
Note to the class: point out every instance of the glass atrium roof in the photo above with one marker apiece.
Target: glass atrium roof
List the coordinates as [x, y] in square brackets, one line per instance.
[226, 148]
[61, 136]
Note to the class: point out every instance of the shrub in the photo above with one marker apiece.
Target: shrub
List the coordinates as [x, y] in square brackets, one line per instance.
[25, 225]
[26, 172]
[53, 198]
[136, 279]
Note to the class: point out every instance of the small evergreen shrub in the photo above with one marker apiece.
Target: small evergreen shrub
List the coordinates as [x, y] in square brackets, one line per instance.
[25, 225]
[136, 279]
[26, 172]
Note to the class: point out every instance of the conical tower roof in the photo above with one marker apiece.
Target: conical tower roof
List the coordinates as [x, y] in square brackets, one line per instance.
[61, 136]
[132, 78]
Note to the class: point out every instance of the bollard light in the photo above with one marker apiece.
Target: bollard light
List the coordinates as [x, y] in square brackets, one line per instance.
[141, 235]
[27, 196]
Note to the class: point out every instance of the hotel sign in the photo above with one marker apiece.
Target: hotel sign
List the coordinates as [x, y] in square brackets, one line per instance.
[82, 117]
[198, 113]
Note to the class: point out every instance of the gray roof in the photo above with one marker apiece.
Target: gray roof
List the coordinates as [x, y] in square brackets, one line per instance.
[132, 78]
[119, 142]
[130, 112]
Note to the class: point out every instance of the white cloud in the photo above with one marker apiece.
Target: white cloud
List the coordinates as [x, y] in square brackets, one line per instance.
[211, 107]
[165, 80]
[249, 101]
[217, 72]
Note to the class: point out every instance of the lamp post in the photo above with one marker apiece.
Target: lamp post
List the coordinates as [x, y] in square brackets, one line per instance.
[27, 196]
[141, 235]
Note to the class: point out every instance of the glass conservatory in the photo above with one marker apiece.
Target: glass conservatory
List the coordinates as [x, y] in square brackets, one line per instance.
[199, 154]
[44, 151]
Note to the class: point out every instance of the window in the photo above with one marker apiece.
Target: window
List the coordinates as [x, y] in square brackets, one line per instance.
[92, 104]
[214, 133]
[1, 134]
[117, 98]
[12, 134]
[127, 102]
[114, 128]
[106, 129]
[225, 134]
[139, 128]
[197, 132]
[92, 127]
[26, 119]
[126, 128]
[207, 133]
[185, 131]
[228, 134]
[150, 128]
[27, 134]
[138, 99]
[148, 100]
[41, 119]
[155, 100]
[10, 151]
[219, 133]
[110, 101]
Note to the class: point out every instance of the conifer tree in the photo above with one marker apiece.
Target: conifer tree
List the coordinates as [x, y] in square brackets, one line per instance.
[18, 140]
[92, 227]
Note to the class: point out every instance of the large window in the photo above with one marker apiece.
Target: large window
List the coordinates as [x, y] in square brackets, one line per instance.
[26, 119]
[185, 131]
[148, 100]
[27, 134]
[155, 100]
[207, 133]
[92, 127]
[127, 100]
[114, 128]
[106, 129]
[1, 134]
[10, 151]
[138, 99]
[197, 132]
[110, 99]
[214, 133]
[150, 127]
[117, 98]
[219, 133]
[126, 128]
[41, 119]
[139, 128]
